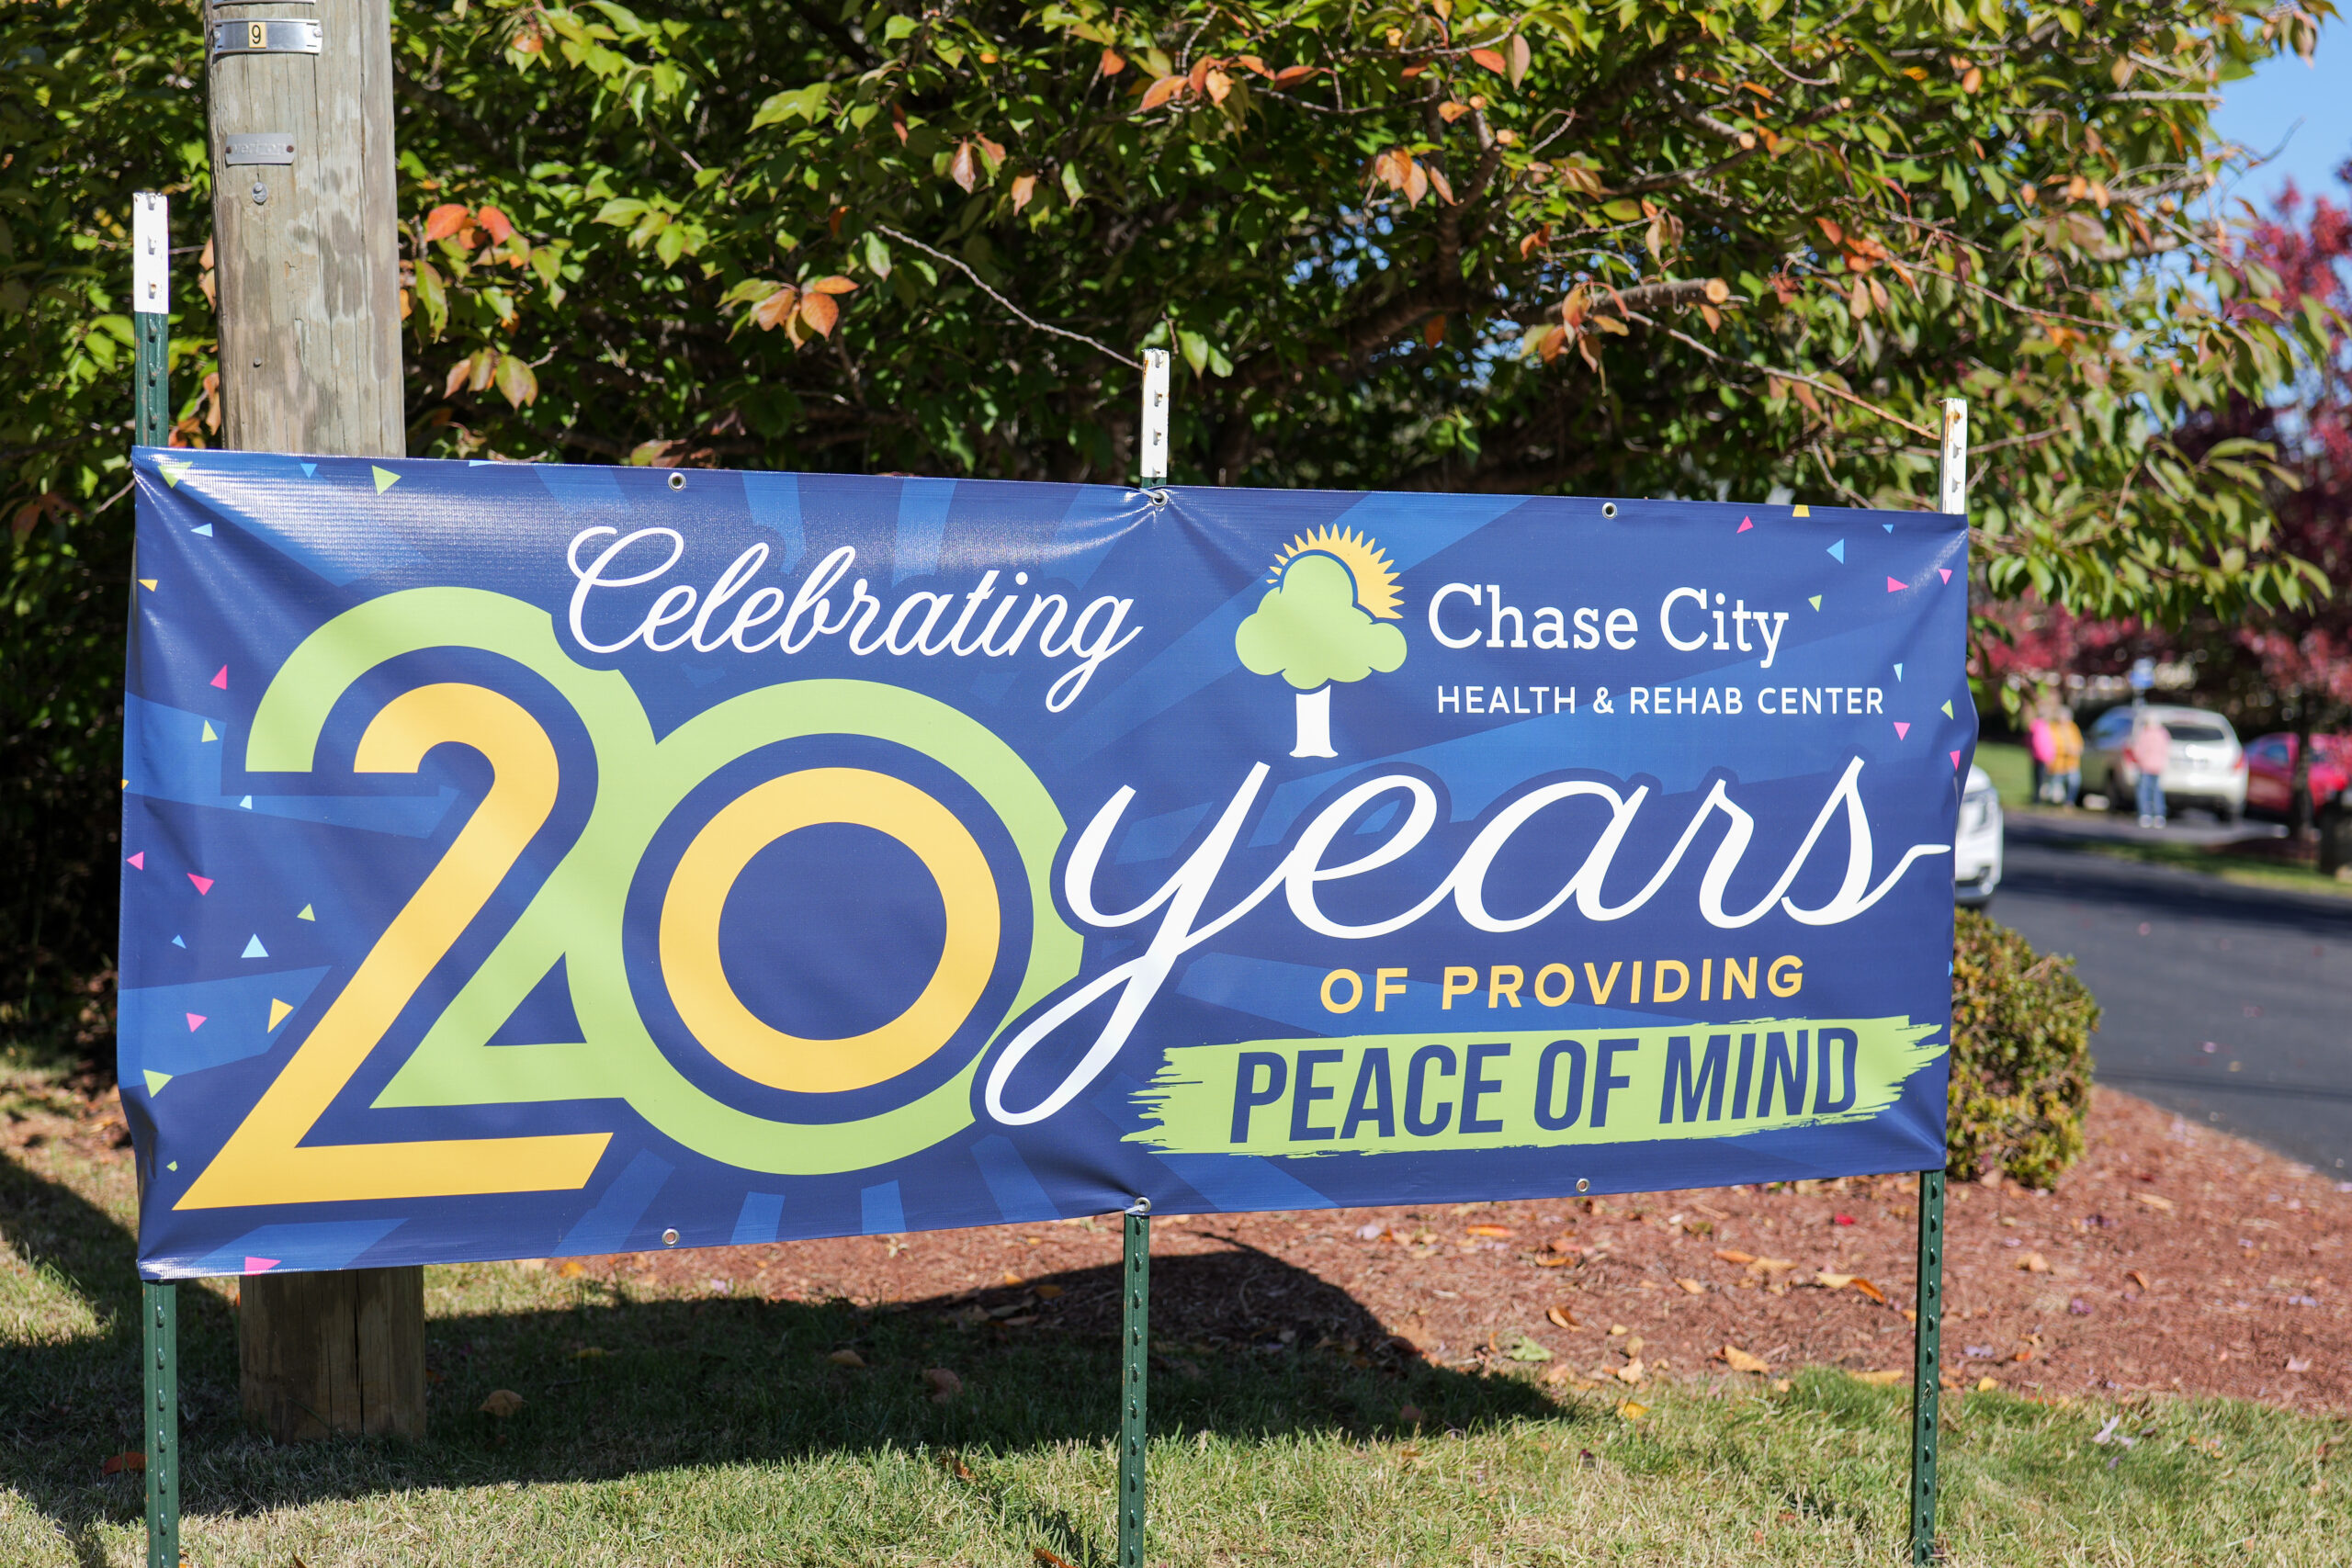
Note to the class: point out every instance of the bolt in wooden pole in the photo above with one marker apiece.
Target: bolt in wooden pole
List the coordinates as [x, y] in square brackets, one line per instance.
[306, 251]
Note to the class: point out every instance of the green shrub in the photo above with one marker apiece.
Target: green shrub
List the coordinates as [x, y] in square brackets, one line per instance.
[2020, 1056]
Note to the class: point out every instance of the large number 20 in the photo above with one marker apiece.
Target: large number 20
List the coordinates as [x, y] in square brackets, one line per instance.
[266, 1161]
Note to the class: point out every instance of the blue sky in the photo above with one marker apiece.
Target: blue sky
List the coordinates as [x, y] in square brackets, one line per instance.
[2309, 107]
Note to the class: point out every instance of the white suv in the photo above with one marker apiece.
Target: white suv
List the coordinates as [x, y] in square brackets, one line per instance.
[1977, 852]
[2205, 767]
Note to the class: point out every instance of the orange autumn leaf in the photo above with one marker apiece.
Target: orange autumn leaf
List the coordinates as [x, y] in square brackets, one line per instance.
[1289, 75]
[1159, 92]
[1498, 1231]
[959, 168]
[777, 308]
[1449, 111]
[458, 375]
[495, 224]
[444, 221]
[1870, 1290]
[1025, 188]
[833, 284]
[1219, 85]
[129, 1460]
[1491, 61]
[1113, 64]
[819, 312]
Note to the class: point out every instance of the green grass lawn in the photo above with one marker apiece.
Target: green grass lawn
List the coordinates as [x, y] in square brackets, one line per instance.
[2010, 767]
[661, 1429]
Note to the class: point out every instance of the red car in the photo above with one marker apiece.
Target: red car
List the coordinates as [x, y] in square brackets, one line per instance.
[2270, 771]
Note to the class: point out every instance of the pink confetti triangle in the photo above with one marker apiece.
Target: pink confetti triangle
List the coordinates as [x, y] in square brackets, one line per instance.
[221, 680]
[1955, 759]
[1947, 571]
[1902, 729]
[1896, 586]
[260, 1265]
[203, 883]
[195, 1021]
[1745, 525]
[139, 861]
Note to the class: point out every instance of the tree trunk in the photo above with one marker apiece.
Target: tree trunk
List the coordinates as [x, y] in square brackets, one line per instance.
[306, 246]
[1314, 724]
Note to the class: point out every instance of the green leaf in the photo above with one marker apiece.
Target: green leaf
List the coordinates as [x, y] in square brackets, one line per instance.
[1195, 349]
[805, 103]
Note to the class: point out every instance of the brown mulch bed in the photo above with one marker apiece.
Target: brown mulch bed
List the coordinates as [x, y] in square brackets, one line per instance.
[2171, 1258]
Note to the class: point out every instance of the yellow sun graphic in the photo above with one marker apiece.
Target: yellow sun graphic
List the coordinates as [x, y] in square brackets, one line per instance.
[1366, 562]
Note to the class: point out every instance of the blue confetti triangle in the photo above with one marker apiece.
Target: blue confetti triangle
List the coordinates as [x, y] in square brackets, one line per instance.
[309, 468]
[1838, 551]
[1888, 527]
[254, 949]
[205, 529]
[1898, 671]
[248, 803]
[177, 943]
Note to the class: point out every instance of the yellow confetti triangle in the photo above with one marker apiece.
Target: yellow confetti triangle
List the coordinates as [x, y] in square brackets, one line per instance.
[1817, 601]
[1948, 707]
[208, 731]
[155, 1080]
[385, 479]
[148, 583]
[278, 1011]
[306, 914]
[1800, 510]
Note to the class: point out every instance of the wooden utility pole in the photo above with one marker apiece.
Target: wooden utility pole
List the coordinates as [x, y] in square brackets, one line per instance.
[305, 231]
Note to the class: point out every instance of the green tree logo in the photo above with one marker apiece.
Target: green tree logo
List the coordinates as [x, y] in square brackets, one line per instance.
[1327, 618]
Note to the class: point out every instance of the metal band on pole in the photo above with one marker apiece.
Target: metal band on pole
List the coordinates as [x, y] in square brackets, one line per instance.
[1927, 1339]
[1135, 1366]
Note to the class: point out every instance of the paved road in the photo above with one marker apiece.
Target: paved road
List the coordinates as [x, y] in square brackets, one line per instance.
[2230, 1003]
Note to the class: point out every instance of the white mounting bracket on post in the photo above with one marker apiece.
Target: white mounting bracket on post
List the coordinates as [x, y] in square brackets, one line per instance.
[151, 253]
[1952, 489]
[1155, 416]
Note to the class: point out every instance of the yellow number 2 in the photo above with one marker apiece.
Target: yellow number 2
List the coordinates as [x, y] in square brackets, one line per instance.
[266, 1161]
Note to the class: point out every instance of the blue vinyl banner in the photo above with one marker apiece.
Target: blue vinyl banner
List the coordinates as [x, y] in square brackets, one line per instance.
[526, 860]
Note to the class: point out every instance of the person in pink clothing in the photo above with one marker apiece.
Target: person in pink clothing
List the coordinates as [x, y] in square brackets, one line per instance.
[2150, 750]
[2043, 745]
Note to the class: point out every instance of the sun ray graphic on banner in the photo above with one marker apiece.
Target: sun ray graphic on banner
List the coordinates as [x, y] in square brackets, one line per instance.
[1366, 562]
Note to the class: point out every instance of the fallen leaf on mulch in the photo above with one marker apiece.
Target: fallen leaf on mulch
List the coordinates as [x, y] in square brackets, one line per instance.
[1528, 1351]
[1633, 1412]
[1770, 1265]
[115, 1464]
[1631, 1372]
[1011, 1278]
[2139, 1279]
[2034, 1263]
[1693, 1286]
[2299, 1364]
[1561, 1317]
[1052, 1559]
[846, 1359]
[502, 1402]
[571, 1269]
[1502, 1232]
[1883, 1378]
[1988, 1384]
[1829, 1282]
[1048, 1292]
[1870, 1290]
[1729, 1255]
[945, 1385]
[1739, 1361]
[2163, 1205]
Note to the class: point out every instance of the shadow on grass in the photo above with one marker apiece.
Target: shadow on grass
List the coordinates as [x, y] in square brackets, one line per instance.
[1244, 1345]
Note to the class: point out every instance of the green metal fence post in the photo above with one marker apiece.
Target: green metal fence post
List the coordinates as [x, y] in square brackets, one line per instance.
[1135, 1366]
[1927, 1363]
[150, 318]
[159, 1314]
[159, 1365]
